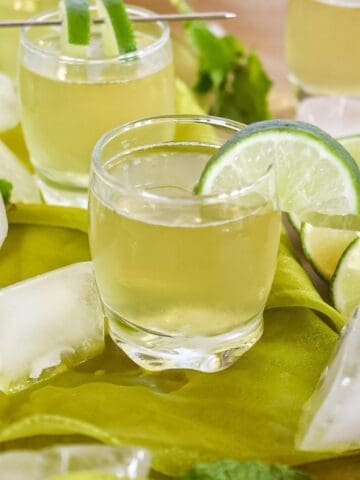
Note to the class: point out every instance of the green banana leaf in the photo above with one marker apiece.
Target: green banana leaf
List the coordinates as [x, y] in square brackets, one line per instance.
[249, 411]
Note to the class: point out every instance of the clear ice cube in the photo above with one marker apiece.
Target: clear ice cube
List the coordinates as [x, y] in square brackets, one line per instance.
[122, 462]
[47, 324]
[331, 418]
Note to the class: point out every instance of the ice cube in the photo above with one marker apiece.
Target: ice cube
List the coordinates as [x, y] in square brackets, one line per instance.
[122, 462]
[3, 222]
[331, 418]
[337, 115]
[47, 324]
[24, 186]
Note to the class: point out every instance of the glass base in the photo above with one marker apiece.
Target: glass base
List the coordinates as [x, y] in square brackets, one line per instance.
[56, 194]
[156, 352]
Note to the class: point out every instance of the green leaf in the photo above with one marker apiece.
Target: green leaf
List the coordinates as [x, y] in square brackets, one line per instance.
[5, 190]
[236, 78]
[231, 470]
[243, 97]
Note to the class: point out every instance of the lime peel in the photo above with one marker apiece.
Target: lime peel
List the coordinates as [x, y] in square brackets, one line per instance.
[345, 286]
[120, 38]
[77, 22]
[3, 222]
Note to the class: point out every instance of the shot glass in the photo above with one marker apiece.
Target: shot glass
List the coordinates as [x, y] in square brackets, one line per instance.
[68, 102]
[184, 278]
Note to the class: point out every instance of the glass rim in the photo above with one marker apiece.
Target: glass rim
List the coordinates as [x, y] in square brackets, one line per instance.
[121, 58]
[99, 171]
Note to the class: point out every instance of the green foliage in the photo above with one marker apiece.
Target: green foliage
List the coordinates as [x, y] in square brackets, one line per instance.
[231, 470]
[234, 77]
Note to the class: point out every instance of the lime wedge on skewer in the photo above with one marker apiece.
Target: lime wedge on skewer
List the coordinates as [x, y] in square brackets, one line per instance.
[312, 171]
[118, 33]
[346, 280]
[77, 20]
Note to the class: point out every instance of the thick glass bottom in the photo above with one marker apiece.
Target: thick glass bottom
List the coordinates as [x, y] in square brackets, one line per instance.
[156, 352]
[58, 194]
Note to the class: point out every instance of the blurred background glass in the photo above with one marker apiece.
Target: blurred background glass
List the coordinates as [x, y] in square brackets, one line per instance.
[322, 39]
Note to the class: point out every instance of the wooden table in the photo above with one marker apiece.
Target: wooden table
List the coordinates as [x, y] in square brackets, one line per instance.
[260, 24]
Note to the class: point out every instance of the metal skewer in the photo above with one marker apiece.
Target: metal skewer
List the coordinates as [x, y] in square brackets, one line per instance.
[169, 17]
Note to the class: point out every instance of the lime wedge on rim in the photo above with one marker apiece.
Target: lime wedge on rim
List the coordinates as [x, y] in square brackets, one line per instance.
[345, 286]
[77, 22]
[312, 171]
[118, 33]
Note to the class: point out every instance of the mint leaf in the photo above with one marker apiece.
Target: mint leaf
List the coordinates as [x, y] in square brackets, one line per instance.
[5, 190]
[243, 97]
[232, 470]
[236, 78]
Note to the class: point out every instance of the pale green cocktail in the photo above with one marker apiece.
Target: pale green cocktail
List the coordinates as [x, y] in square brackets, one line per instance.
[184, 278]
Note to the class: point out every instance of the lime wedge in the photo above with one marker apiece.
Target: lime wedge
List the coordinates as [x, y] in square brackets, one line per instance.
[77, 20]
[311, 170]
[346, 281]
[118, 33]
[323, 247]
[331, 420]
[9, 108]
[24, 186]
[3, 222]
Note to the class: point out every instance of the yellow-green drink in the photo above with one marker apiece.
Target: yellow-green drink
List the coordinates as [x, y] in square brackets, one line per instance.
[68, 103]
[184, 279]
[322, 45]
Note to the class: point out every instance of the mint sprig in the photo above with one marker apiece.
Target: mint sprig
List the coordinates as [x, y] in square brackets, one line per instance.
[5, 190]
[234, 76]
[232, 470]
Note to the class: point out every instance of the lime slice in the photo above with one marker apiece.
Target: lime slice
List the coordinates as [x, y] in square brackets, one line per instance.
[24, 186]
[9, 108]
[70, 28]
[118, 33]
[346, 281]
[3, 222]
[331, 420]
[77, 20]
[312, 171]
[323, 247]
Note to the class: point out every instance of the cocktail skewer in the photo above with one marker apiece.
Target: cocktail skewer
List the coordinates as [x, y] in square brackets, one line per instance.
[168, 17]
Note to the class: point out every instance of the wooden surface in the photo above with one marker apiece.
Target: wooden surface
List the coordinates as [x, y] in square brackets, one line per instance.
[260, 24]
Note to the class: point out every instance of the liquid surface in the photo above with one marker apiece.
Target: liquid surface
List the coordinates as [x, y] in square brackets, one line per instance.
[171, 269]
[322, 45]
